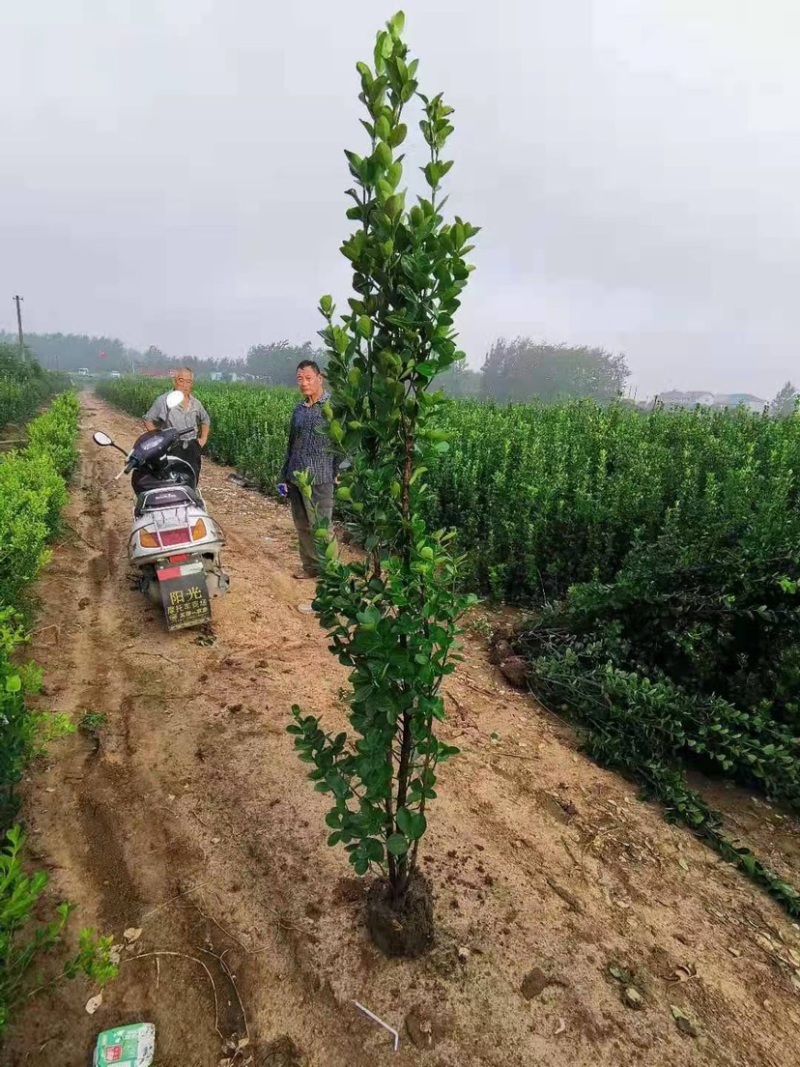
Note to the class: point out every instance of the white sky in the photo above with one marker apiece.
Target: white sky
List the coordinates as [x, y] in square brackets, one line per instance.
[173, 172]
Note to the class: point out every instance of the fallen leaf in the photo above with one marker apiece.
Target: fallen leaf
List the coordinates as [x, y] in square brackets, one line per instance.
[683, 864]
[619, 973]
[683, 1022]
[244, 1043]
[50, 789]
[561, 1027]
[633, 998]
[215, 840]
[735, 953]
[115, 954]
[133, 933]
[766, 943]
[94, 1003]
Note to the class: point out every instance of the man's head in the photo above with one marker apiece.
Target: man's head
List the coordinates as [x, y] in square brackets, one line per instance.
[183, 379]
[309, 379]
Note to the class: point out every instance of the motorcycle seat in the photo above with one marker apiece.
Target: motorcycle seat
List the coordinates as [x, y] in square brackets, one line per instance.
[168, 497]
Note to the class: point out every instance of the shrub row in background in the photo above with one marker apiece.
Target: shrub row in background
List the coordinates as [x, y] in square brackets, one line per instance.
[32, 493]
[544, 497]
[23, 386]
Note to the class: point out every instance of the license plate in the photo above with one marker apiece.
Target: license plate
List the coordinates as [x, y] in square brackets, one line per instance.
[184, 594]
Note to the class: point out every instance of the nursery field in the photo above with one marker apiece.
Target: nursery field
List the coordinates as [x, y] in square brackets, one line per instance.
[182, 811]
[657, 560]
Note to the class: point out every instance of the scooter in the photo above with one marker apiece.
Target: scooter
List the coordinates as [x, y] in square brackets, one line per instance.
[174, 546]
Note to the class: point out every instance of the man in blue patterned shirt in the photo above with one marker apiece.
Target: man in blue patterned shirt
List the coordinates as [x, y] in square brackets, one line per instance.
[309, 451]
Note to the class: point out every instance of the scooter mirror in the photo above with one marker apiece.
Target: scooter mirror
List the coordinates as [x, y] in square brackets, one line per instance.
[101, 438]
[174, 398]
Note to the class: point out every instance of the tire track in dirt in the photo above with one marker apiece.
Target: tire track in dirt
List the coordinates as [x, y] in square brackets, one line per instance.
[192, 819]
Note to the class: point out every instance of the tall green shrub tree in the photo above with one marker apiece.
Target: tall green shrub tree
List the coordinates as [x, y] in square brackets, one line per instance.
[392, 617]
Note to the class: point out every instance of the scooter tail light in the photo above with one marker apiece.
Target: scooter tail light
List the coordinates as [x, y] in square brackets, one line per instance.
[199, 530]
[148, 540]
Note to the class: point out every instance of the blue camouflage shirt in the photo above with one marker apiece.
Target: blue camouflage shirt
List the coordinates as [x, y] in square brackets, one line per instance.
[309, 445]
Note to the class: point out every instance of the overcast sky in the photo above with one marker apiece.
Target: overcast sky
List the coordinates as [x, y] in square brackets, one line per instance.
[172, 172]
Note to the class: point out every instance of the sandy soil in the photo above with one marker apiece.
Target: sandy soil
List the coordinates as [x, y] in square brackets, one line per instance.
[189, 817]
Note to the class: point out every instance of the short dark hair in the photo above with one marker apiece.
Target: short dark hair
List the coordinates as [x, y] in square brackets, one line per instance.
[309, 363]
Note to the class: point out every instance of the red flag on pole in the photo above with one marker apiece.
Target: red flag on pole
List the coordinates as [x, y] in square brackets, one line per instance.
[102, 355]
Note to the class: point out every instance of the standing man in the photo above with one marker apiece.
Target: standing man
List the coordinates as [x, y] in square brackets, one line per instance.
[309, 451]
[189, 415]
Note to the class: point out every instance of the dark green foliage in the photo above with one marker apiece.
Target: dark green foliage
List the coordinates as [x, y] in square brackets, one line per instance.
[690, 655]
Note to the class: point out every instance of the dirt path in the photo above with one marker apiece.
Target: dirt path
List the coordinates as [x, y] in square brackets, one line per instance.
[191, 818]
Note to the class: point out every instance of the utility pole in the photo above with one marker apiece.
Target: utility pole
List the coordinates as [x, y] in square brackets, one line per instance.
[18, 300]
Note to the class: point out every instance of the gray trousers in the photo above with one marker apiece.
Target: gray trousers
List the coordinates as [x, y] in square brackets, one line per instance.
[305, 514]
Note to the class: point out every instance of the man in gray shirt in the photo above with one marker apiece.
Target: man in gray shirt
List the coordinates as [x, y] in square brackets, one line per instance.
[190, 415]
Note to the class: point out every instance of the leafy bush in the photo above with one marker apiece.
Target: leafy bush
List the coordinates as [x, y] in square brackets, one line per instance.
[690, 656]
[32, 493]
[23, 948]
[23, 386]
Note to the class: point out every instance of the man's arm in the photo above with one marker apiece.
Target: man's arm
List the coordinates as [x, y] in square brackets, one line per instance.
[205, 427]
[285, 470]
[157, 413]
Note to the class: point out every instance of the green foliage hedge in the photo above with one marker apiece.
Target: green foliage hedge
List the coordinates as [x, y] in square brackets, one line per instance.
[32, 493]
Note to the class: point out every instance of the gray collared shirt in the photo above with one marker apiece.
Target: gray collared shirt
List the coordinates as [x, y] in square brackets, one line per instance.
[191, 417]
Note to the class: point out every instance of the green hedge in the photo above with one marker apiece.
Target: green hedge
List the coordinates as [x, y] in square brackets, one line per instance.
[32, 493]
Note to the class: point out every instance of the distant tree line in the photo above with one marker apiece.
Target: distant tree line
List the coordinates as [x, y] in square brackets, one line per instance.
[517, 370]
[785, 401]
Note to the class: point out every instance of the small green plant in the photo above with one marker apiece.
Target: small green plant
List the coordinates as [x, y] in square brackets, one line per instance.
[392, 618]
[480, 626]
[91, 722]
[25, 944]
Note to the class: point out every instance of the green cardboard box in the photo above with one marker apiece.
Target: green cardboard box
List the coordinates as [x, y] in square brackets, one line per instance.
[126, 1046]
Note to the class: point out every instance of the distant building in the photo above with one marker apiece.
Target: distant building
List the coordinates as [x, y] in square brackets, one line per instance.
[734, 400]
[687, 398]
[694, 398]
